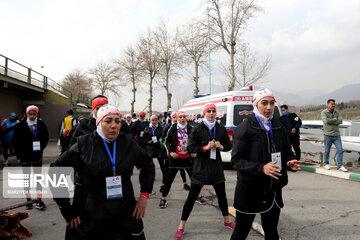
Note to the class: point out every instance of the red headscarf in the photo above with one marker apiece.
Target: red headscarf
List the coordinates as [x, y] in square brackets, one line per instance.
[99, 101]
[32, 108]
[180, 113]
[207, 107]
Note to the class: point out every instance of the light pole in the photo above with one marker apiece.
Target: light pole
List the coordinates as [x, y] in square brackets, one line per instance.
[42, 67]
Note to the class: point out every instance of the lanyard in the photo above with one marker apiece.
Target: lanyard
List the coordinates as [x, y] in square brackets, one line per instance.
[213, 137]
[113, 157]
[182, 134]
[34, 131]
[270, 130]
[153, 130]
[142, 125]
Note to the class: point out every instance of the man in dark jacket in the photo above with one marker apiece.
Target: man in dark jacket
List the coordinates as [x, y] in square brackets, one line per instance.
[292, 123]
[137, 129]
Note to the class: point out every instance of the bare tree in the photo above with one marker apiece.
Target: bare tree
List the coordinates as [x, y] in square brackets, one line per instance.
[168, 44]
[130, 64]
[227, 19]
[77, 82]
[194, 42]
[151, 64]
[106, 77]
[249, 69]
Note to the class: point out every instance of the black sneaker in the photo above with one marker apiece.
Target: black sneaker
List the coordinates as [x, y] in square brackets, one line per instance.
[40, 205]
[186, 187]
[162, 203]
[201, 200]
[29, 206]
[162, 188]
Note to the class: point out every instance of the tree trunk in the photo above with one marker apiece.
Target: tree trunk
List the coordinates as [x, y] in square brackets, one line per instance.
[133, 91]
[168, 94]
[196, 79]
[151, 94]
[232, 69]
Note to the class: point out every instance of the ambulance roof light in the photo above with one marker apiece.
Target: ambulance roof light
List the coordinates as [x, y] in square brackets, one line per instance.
[249, 88]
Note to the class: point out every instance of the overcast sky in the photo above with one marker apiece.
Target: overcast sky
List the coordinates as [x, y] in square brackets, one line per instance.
[313, 44]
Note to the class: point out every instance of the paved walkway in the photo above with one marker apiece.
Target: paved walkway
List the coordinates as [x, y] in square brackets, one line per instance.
[52, 152]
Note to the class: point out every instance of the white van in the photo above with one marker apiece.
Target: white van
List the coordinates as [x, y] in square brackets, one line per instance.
[232, 107]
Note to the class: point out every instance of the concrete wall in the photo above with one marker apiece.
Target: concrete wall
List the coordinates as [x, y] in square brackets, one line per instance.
[53, 111]
[9, 102]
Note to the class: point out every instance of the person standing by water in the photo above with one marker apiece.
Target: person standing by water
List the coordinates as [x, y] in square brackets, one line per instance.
[206, 141]
[31, 137]
[262, 155]
[332, 119]
[105, 161]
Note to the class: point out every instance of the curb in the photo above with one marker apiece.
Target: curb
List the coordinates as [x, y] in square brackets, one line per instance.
[338, 174]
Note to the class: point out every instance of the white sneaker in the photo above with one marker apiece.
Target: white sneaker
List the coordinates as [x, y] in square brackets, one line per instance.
[258, 227]
[327, 166]
[343, 169]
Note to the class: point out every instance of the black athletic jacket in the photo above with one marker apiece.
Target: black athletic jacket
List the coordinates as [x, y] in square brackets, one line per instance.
[23, 141]
[207, 171]
[255, 191]
[90, 159]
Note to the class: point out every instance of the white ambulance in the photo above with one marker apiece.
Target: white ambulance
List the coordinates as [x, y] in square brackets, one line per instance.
[232, 107]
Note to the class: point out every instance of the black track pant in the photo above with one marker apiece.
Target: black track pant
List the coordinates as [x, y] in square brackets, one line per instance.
[195, 191]
[166, 172]
[295, 142]
[6, 148]
[162, 168]
[269, 221]
[170, 178]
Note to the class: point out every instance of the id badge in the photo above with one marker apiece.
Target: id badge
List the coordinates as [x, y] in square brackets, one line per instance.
[154, 139]
[36, 146]
[276, 156]
[113, 187]
[213, 153]
[141, 133]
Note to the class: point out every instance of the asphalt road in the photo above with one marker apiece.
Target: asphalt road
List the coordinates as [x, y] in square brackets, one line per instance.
[316, 207]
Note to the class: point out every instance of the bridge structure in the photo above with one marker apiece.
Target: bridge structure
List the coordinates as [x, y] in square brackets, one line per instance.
[21, 86]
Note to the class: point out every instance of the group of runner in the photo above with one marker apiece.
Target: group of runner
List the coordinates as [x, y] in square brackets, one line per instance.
[104, 149]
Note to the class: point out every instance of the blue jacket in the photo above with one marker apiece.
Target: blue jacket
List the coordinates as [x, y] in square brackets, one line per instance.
[8, 129]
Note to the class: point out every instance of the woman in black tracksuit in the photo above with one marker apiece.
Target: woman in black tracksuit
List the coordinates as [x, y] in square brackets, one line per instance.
[179, 159]
[110, 211]
[262, 155]
[165, 155]
[152, 140]
[207, 140]
[30, 138]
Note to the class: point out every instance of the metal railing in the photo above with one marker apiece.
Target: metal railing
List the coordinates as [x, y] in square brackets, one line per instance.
[11, 68]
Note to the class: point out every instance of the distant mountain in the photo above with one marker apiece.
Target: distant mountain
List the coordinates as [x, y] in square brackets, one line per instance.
[343, 94]
[289, 99]
[317, 97]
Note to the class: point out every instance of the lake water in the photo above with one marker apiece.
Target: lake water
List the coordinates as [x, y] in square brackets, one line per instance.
[349, 158]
